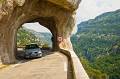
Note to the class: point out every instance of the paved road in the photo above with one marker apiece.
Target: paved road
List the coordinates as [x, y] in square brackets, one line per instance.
[52, 66]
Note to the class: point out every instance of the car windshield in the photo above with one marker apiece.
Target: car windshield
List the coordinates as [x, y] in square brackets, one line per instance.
[32, 46]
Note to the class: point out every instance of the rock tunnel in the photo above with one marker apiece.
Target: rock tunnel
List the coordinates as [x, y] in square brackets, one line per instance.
[58, 20]
[56, 15]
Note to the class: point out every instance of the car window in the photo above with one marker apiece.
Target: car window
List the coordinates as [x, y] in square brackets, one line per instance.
[32, 46]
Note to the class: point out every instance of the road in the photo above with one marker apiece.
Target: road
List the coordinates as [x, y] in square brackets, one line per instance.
[51, 66]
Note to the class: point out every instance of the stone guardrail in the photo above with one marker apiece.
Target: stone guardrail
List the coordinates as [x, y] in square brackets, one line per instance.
[78, 70]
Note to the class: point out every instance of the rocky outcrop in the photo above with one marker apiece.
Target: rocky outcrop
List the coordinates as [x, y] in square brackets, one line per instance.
[56, 15]
[67, 4]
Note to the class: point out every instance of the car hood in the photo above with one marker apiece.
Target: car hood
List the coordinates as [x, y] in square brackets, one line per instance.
[32, 50]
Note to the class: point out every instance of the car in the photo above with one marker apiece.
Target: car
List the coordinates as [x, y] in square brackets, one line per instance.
[32, 51]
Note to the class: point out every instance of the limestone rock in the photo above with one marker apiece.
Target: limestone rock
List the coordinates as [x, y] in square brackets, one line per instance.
[68, 4]
[56, 15]
[19, 2]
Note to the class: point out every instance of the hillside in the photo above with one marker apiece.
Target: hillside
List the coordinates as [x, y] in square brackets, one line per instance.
[97, 43]
[27, 36]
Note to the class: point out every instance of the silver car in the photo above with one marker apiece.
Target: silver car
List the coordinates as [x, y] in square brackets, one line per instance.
[32, 51]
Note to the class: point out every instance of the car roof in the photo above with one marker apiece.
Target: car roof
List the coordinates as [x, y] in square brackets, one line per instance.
[32, 44]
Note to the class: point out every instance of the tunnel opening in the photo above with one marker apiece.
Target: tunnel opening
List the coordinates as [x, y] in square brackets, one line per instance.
[31, 36]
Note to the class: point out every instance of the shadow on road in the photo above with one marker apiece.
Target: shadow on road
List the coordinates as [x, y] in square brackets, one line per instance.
[20, 55]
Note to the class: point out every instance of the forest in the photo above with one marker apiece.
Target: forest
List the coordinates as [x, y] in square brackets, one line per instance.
[97, 44]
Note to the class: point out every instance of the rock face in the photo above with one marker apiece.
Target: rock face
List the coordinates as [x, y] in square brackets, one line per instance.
[68, 4]
[56, 15]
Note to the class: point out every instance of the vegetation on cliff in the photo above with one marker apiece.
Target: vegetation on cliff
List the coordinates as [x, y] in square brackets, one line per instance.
[97, 43]
[27, 36]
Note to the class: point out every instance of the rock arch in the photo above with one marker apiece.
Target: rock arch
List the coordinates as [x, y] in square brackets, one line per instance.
[13, 13]
[56, 15]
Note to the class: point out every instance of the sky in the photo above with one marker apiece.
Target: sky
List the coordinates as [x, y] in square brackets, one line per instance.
[88, 9]
[36, 27]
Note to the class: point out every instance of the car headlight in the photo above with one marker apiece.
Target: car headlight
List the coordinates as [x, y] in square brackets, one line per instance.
[39, 52]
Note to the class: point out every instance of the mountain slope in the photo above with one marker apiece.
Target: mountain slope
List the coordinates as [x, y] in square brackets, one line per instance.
[27, 36]
[98, 42]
